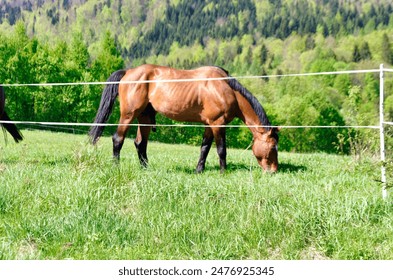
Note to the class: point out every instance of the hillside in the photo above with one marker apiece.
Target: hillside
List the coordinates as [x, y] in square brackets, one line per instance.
[77, 40]
[147, 28]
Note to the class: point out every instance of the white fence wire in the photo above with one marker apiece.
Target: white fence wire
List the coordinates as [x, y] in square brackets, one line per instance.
[200, 79]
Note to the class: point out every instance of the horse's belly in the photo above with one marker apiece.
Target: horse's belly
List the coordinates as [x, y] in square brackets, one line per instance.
[180, 113]
[190, 104]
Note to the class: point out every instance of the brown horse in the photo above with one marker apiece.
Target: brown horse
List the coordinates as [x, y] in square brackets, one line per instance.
[208, 95]
[10, 127]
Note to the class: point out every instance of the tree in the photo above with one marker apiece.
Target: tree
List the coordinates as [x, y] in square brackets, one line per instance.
[387, 54]
[365, 52]
[19, 68]
[264, 54]
[356, 54]
[78, 53]
[108, 59]
[310, 42]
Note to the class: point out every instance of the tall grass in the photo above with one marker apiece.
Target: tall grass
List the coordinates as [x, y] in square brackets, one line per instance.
[61, 198]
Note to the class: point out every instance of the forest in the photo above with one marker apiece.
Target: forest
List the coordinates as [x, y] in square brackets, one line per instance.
[85, 41]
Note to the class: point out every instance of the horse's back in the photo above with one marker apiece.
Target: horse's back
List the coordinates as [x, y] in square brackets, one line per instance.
[190, 97]
[158, 72]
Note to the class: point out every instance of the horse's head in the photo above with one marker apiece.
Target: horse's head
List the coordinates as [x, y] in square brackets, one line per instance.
[265, 149]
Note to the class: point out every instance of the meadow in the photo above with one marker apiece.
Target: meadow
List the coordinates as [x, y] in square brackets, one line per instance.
[61, 198]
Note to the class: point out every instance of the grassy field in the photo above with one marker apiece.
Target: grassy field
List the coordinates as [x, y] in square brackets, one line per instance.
[60, 198]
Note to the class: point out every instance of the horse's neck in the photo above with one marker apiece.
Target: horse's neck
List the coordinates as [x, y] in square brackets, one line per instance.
[248, 116]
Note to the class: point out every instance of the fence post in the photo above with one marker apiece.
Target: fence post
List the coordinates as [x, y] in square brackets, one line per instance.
[382, 131]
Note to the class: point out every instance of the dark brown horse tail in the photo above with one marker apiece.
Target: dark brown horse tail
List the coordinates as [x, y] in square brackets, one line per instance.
[11, 128]
[106, 105]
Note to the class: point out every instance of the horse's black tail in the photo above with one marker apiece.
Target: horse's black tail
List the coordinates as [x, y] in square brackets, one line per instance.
[11, 128]
[106, 105]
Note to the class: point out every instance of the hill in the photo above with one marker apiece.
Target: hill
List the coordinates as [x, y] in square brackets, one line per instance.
[77, 40]
[145, 28]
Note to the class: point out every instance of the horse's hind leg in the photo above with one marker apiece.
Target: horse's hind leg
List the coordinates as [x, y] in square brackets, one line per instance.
[151, 113]
[205, 148]
[142, 137]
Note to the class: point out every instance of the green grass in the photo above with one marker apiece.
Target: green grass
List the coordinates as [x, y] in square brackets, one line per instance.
[61, 198]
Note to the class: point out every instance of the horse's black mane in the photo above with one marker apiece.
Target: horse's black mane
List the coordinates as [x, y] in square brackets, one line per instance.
[256, 106]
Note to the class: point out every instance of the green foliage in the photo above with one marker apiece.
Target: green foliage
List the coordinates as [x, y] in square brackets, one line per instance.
[365, 52]
[356, 57]
[387, 53]
[108, 58]
[359, 111]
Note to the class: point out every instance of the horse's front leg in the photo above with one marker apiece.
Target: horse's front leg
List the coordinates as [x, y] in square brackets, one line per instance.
[205, 148]
[141, 139]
